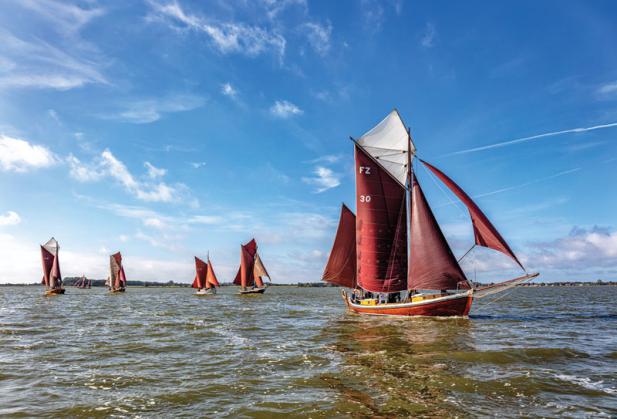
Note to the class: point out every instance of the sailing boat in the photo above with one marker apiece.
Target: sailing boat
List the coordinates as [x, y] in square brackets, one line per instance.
[252, 270]
[52, 278]
[117, 279]
[82, 283]
[391, 274]
[205, 279]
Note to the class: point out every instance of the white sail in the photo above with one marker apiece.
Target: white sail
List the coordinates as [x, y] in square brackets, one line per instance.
[52, 247]
[388, 143]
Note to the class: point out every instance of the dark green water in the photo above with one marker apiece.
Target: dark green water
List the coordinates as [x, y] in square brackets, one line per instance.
[295, 352]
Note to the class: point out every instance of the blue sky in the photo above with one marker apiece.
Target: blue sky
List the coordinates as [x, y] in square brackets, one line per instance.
[166, 129]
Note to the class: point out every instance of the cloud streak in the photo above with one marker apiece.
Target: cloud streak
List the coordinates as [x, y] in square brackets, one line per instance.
[17, 155]
[532, 138]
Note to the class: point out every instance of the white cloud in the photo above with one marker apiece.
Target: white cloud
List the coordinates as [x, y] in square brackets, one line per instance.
[18, 155]
[65, 16]
[154, 172]
[107, 165]
[318, 36]
[226, 37]
[151, 110]
[328, 158]
[608, 89]
[206, 219]
[228, 90]
[323, 180]
[198, 164]
[428, 38]
[284, 109]
[275, 7]
[39, 64]
[10, 218]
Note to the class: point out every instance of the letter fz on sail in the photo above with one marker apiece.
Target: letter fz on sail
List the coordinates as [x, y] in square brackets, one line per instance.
[392, 253]
[52, 278]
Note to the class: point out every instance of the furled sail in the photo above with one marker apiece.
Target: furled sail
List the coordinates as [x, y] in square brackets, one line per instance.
[201, 269]
[211, 280]
[433, 265]
[381, 227]
[389, 143]
[485, 233]
[118, 277]
[341, 266]
[52, 278]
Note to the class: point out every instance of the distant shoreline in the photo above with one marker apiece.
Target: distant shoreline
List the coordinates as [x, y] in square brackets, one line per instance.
[69, 282]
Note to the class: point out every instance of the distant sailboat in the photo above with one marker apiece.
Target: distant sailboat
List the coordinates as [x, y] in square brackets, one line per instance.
[82, 283]
[391, 274]
[205, 279]
[252, 270]
[52, 278]
[117, 279]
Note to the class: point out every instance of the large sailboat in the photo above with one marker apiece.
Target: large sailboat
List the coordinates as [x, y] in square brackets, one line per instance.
[252, 270]
[205, 279]
[117, 278]
[389, 272]
[52, 278]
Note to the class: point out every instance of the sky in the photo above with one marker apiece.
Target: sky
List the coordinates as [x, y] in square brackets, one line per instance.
[172, 129]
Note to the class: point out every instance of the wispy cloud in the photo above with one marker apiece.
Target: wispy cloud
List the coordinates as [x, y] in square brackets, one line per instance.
[226, 37]
[284, 109]
[428, 37]
[533, 138]
[17, 155]
[154, 172]
[318, 36]
[10, 218]
[108, 166]
[66, 17]
[608, 89]
[198, 164]
[323, 180]
[150, 110]
[328, 158]
[531, 182]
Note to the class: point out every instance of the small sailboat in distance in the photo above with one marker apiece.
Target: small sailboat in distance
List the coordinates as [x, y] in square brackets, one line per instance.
[117, 279]
[205, 279]
[389, 272]
[52, 278]
[252, 270]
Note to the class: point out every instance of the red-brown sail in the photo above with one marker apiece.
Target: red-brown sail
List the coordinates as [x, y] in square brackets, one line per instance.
[251, 248]
[246, 268]
[341, 266]
[52, 278]
[432, 265]
[485, 233]
[201, 269]
[118, 277]
[211, 280]
[381, 232]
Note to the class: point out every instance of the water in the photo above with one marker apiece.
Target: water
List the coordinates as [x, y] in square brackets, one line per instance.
[295, 352]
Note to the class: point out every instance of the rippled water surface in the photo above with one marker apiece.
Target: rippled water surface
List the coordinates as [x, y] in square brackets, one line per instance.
[295, 352]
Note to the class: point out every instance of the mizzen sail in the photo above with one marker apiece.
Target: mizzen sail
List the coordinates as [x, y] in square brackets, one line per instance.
[381, 226]
[341, 266]
[433, 265]
[485, 233]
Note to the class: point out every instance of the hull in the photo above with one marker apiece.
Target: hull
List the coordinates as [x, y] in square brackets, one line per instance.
[114, 291]
[253, 291]
[55, 291]
[446, 306]
[205, 292]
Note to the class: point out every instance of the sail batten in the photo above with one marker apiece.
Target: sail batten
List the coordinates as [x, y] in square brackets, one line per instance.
[432, 265]
[341, 266]
[485, 233]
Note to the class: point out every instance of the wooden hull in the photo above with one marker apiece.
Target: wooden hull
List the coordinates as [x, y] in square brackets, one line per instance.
[446, 306]
[55, 291]
[115, 291]
[202, 293]
[253, 291]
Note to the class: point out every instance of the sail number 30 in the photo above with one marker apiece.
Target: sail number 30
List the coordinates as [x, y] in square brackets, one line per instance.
[365, 198]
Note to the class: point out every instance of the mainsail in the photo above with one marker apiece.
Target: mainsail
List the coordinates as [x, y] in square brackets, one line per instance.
[341, 266]
[117, 278]
[201, 269]
[381, 227]
[52, 278]
[432, 266]
[252, 269]
[485, 233]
